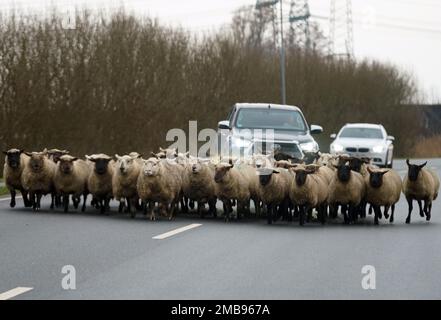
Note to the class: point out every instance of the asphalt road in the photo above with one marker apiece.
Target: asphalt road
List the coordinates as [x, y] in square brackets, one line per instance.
[116, 257]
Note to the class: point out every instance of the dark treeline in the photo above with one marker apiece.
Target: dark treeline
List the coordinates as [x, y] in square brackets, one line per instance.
[118, 84]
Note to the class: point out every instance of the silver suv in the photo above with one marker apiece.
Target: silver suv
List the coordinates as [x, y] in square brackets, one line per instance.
[261, 128]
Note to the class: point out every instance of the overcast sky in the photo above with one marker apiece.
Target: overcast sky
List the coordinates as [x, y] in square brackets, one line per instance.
[406, 33]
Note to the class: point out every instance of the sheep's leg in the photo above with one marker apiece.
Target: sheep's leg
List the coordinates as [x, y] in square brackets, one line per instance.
[296, 211]
[152, 214]
[52, 201]
[322, 213]
[38, 206]
[66, 203]
[57, 201]
[370, 209]
[102, 203]
[121, 206]
[26, 200]
[421, 208]
[269, 213]
[212, 207]
[409, 202]
[428, 206]
[377, 210]
[227, 209]
[191, 204]
[13, 193]
[391, 219]
[386, 211]
[132, 207]
[127, 206]
[345, 214]
[256, 207]
[172, 210]
[84, 202]
[32, 198]
[76, 201]
[184, 205]
[303, 212]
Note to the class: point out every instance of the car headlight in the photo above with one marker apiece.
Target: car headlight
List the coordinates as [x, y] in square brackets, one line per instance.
[378, 149]
[240, 142]
[309, 146]
[337, 147]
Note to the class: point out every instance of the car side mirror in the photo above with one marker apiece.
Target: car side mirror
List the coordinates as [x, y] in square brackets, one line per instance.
[224, 124]
[316, 129]
[333, 136]
[390, 138]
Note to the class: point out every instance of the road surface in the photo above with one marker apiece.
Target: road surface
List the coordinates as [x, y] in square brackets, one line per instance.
[116, 257]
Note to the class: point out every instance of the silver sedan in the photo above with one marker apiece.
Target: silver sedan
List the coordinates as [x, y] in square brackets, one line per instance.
[364, 140]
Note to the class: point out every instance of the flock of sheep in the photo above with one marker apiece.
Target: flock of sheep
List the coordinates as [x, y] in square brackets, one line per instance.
[281, 187]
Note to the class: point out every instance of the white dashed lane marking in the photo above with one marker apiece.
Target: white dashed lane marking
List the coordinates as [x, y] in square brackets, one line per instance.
[14, 292]
[176, 231]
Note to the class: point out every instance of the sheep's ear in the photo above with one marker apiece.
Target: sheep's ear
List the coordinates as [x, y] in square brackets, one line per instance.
[87, 157]
[117, 156]
[229, 166]
[369, 169]
[139, 156]
[422, 165]
[162, 150]
[29, 154]
[407, 162]
[366, 160]
[44, 152]
[187, 154]
[5, 153]
[74, 159]
[154, 154]
[384, 171]
[276, 171]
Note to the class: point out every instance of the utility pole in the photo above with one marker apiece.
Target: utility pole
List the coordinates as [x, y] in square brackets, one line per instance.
[268, 3]
[341, 38]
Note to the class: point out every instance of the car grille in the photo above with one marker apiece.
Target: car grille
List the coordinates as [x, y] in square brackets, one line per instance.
[352, 149]
[291, 149]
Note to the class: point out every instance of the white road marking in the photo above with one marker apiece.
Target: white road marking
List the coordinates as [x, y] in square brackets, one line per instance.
[9, 199]
[176, 231]
[14, 292]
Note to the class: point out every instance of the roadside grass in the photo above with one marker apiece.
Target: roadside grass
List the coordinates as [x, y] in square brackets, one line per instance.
[3, 191]
[428, 148]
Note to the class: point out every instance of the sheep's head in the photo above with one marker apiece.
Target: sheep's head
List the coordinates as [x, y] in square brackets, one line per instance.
[66, 163]
[265, 175]
[13, 157]
[197, 164]
[101, 163]
[151, 167]
[414, 170]
[36, 161]
[357, 163]
[310, 157]
[376, 177]
[221, 170]
[124, 163]
[302, 175]
[343, 172]
[135, 155]
[55, 154]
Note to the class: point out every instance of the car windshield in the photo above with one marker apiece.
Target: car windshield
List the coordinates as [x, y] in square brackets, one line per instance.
[270, 119]
[364, 133]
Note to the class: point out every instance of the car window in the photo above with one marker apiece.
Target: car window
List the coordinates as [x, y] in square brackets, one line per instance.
[363, 133]
[259, 118]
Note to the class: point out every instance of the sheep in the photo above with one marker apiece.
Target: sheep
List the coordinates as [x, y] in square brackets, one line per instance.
[231, 186]
[347, 188]
[325, 172]
[420, 184]
[199, 184]
[273, 190]
[15, 161]
[252, 181]
[54, 155]
[124, 181]
[37, 177]
[99, 181]
[311, 157]
[383, 189]
[70, 178]
[156, 184]
[309, 190]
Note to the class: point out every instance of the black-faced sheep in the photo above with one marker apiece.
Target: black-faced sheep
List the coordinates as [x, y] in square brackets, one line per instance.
[99, 181]
[15, 161]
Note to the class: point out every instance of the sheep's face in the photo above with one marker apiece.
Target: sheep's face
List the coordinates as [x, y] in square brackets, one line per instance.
[414, 170]
[56, 154]
[196, 167]
[343, 172]
[36, 161]
[265, 175]
[101, 165]
[376, 178]
[310, 157]
[301, 176]
[66, 164]
[13, 157]
[151, 167]
[124, 164]
[220, 171]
